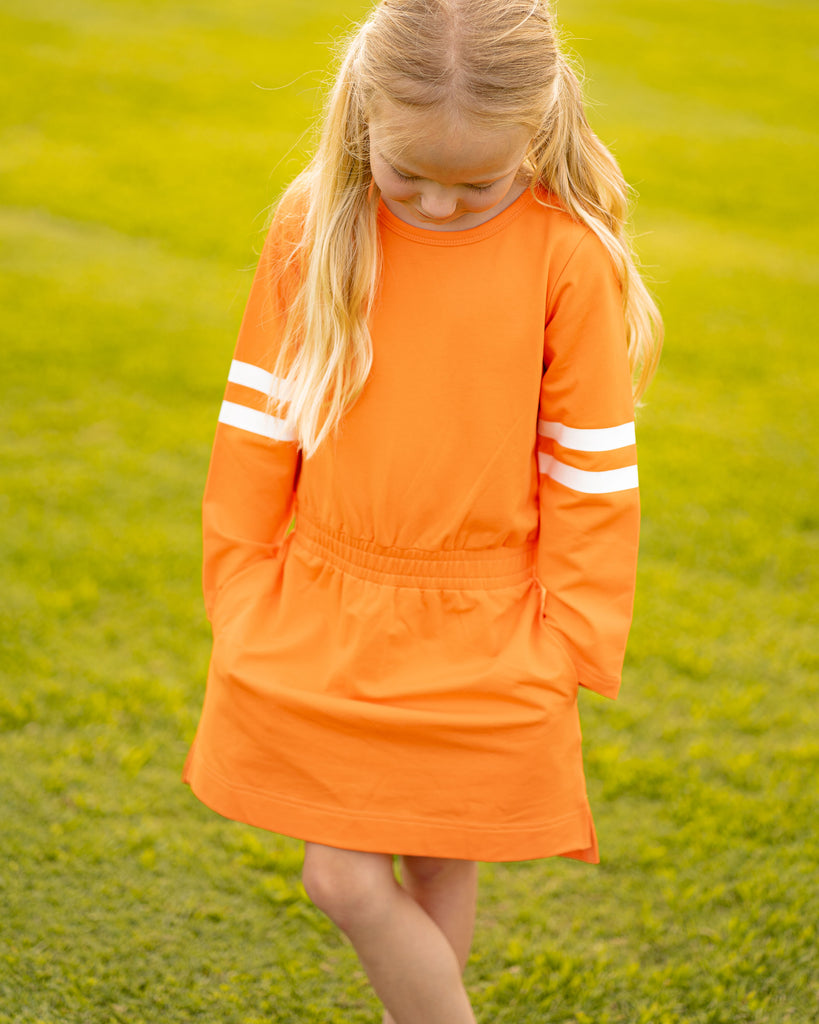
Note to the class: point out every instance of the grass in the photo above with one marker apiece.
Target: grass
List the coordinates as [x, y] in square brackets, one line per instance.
[140, 146]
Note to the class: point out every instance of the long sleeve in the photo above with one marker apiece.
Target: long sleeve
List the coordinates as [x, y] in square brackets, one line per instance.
[589, 503]
[254, 465]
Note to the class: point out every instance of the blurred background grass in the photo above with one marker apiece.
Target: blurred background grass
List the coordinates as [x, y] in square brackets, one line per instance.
[141, 144]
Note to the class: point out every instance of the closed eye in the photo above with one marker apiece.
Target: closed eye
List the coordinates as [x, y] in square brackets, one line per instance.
[414, 177]
[404, 177]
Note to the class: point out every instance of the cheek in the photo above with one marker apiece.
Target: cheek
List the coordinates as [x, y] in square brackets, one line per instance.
[399, 190]
[391, 187]
[482, 201]
[477, 202]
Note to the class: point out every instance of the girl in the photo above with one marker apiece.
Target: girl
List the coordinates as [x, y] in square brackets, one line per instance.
[434, 375]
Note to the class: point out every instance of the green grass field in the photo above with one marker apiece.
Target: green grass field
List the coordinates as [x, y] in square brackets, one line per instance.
[141, 143]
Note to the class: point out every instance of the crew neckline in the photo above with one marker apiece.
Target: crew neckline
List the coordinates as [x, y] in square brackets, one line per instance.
[466, 236]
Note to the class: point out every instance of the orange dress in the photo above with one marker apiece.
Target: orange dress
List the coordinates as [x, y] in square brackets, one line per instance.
[399, 673]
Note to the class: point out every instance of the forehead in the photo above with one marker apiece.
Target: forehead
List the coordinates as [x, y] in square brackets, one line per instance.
[437, 145]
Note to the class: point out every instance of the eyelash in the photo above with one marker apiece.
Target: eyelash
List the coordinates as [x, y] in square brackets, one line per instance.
[408, 177]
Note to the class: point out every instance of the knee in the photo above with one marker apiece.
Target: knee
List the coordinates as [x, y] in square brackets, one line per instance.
[348, 886]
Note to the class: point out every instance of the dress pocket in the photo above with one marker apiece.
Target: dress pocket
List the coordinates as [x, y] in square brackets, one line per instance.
[243, 590]
[562, 652]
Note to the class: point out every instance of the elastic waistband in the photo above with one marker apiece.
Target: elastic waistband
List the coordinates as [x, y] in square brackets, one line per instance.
[483, 569]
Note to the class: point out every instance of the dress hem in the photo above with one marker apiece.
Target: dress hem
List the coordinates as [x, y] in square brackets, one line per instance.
[572, 836]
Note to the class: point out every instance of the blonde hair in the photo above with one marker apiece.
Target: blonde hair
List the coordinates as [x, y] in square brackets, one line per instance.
[492, 63]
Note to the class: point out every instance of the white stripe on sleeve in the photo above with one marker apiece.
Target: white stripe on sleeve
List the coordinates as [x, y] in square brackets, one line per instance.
[256, 422]
[255, 377]
[604, 481]
[601, 439]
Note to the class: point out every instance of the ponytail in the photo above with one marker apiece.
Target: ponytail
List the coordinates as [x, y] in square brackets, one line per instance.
[569, 160]
[326, 352]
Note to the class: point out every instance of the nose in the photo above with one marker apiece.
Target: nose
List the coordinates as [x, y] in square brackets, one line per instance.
[437, 203]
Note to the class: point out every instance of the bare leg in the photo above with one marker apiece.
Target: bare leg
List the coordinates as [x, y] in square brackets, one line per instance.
[408, 959]
[447, 890]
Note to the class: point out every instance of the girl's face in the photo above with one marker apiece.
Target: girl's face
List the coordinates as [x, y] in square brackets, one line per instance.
[452, 176]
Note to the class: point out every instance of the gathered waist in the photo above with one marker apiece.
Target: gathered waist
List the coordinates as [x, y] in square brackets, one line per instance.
[461, 568]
